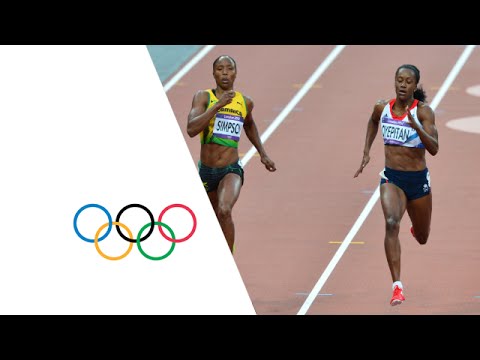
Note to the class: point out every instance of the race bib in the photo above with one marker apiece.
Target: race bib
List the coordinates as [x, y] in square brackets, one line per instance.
[228, 126]
[397, 132]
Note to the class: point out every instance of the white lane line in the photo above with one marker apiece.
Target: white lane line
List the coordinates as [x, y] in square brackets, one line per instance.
[376, 195]
[453, 74]
[295, 100]
[305, 294]
[199, 56]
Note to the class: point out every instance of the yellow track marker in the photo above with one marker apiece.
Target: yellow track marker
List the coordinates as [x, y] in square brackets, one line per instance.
[314, 86]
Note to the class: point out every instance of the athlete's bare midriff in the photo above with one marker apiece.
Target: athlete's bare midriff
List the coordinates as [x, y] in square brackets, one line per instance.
[405, 158]
[217, 156]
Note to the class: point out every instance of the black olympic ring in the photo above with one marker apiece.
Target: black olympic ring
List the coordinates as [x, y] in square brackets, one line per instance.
[152, 222]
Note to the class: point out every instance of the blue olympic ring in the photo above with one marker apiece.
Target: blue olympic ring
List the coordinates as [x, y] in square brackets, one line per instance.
[92, 206]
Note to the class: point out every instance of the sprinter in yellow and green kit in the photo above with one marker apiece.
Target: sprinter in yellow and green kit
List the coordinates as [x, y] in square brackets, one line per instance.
[219, 115]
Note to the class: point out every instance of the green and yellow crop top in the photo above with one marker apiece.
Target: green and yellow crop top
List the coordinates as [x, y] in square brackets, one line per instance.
[226, 127]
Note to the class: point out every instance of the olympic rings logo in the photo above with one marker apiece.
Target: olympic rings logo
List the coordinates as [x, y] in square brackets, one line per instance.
[139, 237]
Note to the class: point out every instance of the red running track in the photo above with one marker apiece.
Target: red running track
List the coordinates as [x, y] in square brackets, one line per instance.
[290, 223]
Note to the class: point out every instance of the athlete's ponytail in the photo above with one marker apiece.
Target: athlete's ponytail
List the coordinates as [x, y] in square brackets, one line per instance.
[420, 94]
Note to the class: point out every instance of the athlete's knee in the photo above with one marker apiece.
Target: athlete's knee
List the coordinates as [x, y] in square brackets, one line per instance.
[392, 224]
[224, 212]
[422, 236]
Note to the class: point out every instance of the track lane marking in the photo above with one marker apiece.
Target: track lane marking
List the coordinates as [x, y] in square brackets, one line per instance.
[188, 66]
[295, 100]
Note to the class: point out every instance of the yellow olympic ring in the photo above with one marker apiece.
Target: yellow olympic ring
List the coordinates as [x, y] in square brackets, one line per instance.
[113, 257]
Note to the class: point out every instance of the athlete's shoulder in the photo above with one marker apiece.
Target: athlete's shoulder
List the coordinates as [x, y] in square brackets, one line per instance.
[201, 98]
[202, 92]
[382, 102]
[248, 101]
[423, 109]
[380, 105]
[246, 97]
[422, 105]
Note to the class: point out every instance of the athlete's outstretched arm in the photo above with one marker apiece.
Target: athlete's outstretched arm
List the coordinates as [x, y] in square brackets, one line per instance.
[252, 133]
[372, 129]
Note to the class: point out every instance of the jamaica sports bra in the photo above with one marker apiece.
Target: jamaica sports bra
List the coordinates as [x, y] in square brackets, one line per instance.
[225, 128]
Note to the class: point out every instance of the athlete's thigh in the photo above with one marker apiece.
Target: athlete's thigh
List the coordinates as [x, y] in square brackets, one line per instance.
[420, 211]
[394, 201]
[213, 196]
[229, 189]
